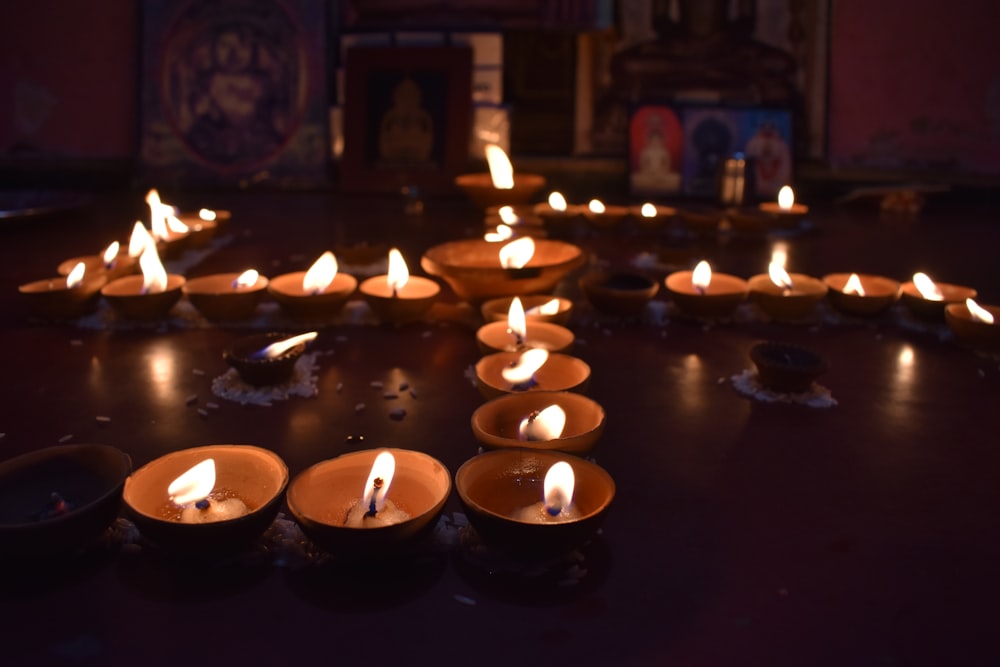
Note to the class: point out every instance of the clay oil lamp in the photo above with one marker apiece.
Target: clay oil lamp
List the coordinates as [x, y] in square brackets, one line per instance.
[114, 263]
[861, 294]
[398, 297]
[477, 270]
[926, 299]
[976, 326]
[559, 420]
[206, 500]
[148, 296]
[170, 233]
[501, 186]
[63, 297]
[786, 368]
[267, 359]
[704, 294]
[226, 296]
[532, 370]
[372, 503]
[557, 215]
[702, 219]
[785, 296]
[57, 499]
[622, 294]
[507, 224]
[604, 216]
[537, 307]
[318, 293]
[533, 505]
[518, 334]
[203, 224]
[652, 216]
[785, 210]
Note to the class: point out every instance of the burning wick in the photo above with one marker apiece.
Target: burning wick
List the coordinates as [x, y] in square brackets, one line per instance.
[398, 274]
[521, 373]
[543, 425]
[853, 285]
[279, 348]
[780, 278]
[516, 324]
[978, 313]
[701, 277]
[557, 202]
[246, 279]
[927, 288]
[550, 307]
[110, 253]
[377, 484]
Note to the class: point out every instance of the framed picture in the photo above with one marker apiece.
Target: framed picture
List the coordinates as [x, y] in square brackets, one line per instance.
[234, 93]
[407, 118]
[655, 148]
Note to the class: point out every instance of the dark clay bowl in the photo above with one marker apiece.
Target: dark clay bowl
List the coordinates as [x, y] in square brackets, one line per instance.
[786, 368]
[624, 294]
[262, 372]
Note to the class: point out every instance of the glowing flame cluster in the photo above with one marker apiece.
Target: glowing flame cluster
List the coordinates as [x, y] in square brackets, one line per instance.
[163, 217]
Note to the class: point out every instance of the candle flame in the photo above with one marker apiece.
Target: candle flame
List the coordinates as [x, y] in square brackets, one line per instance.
[978, 313]
[75, 276]
[501, 170]
[701, 277]
[158, 215]
[207, 214]
[853, 285]
[550, 307]
[383, 468]
[502, 233]
[516, 254]
[320, 274]
[779, 276]
[648, 210]
[508, 216]
[398, 274]
[557, 202]
[193, 485]
[246, 279]
[558, 487]
[786, 198]
[927, 288]
[111, 252]
[526, 366]
[547, 424]
[516, 325]
[139, 239]
[154, 276]
[174, 223]
[596, 206]
[278, 348]
[779, 253]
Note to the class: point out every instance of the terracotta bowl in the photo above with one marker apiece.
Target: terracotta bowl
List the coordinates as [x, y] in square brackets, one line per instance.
[724, 294]
[122, 265]
[786, 218]
[661, 215]
[262, 372]
[321, 495]
[972, 332]
[479, 188]
[496, 310]
[559, 223]
[786, 368]
[560, 373]
[493, 486]
[496, 423]
[933, 311]
[472, 268]
[216, 299]
[412, 303]
[493, 337]
[287, 290]
[880, 294]
[702, 219]
[127, 300]
[255, 475]
[797, 304]
[88, 477]
[624, 294]
[611, 218]
[52, 300]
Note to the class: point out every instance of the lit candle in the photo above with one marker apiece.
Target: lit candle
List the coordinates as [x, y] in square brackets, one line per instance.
[226, 296]
[501, 233]
[500, 186]
[927, 299]
[278, 348]
[375, 510]
[861, 294]
[545, 424]
[603, 215]
[701, 277]
[66, 296]
[786, 296]
[194, 493]
[854, 286]
[557, 503]
[319, 292]
[516, 324]
[75, 277]
[147, 296]
[321, 274]
[501, 170]
[549, 308]
[514, 334]
[705, 294]
[974, 324]
[780, 278]
[397, 297]
[166, 226]
[517, 254]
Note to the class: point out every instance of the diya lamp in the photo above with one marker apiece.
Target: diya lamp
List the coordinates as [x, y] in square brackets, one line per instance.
[508, 224]
[63, 297]
[57, 499]
[317, 293]
[861, 294]
[517, 334]
[537, 307]
[113, 263]
[926, 299]
[148, 296]
[785, 209]
[398, 297]
[267, 359]
[786, 368]
[170, 233]
[975, 325]
[652, 216]
[203, 224]
[604, 215]
[533, 505]
[704, 294]
[703, 219]
[786, 296]
[501, 186]
[556, 214]
[476, 270]
[622, 294]
[558, 420]
[226, 296]
[370, 503]
[530, 370]
[206, 500]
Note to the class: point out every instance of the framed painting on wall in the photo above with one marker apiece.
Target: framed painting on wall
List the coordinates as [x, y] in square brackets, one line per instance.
[233, 93]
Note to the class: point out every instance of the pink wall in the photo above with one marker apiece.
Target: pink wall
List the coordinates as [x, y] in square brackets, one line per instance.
[68, 77]
[915, 83]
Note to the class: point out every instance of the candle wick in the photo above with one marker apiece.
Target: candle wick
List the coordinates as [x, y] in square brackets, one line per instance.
[553, 511]
[395, 292]
[203, 504]
[376, 485]
[700, 290]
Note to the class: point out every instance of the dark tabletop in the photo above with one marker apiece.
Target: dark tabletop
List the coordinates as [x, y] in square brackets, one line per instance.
[741, 532]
